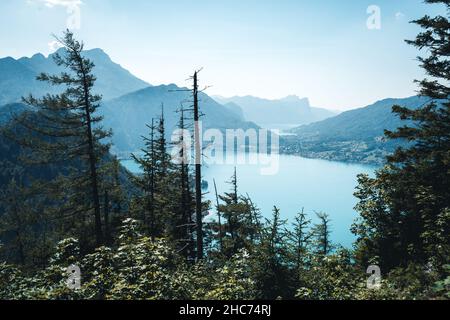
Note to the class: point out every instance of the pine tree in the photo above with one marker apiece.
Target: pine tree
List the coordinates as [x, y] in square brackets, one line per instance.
[240, 227]
[117, 194]
[159, 203]
[253, 225]
[321, 235]
[219, 219]
[229, 210]
[147, 184]
[404, 209]
[184, 210]
[301, 239]
[15, 223]
[164, 188]
[64, 129]
[272, 272]
[113, 197]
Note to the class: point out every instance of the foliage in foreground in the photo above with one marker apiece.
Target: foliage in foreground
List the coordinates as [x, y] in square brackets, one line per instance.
[403, 228]
[144, 269]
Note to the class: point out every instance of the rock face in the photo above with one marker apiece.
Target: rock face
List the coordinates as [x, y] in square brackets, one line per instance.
[291, 111]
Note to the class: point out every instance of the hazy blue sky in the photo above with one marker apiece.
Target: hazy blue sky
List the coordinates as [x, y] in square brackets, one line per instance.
[321, 49]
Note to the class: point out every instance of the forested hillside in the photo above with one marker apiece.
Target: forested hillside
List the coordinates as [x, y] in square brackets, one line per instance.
[70, 228]
[353, 136]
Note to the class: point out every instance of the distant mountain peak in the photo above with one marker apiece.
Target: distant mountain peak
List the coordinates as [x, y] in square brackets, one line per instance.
[172, 86]
[295, 98]
[97, 50]
[59, 51]
[8, 60]
[290, 111]
[291, 97]
[98, 53]
[18, 77]
[38, 56]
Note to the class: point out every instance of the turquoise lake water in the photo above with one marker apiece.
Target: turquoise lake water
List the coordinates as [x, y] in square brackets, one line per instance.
[315, 185]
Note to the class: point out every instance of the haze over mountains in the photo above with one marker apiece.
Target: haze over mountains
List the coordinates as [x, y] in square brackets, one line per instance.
[283, 113]
[129, 104]
[128, 115]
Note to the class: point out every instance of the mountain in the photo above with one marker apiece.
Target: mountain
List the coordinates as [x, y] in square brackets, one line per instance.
[15, 80]
[12, 166]
[287, 112]
[236, 109]
[18, 77]
[129, 115]
[355, 136]
[129, 104]
[8, 111]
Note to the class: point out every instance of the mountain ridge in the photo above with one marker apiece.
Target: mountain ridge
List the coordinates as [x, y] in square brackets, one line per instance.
[289, 111]
[18, 76]
[354, 136]
[130, 114]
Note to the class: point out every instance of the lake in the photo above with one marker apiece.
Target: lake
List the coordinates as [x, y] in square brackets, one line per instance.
[315, 185]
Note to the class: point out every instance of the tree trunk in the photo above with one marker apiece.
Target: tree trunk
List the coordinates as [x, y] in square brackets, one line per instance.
[92, 159]
[198, 173]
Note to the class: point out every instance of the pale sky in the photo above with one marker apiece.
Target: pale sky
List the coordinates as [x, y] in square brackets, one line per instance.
[320, 49]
